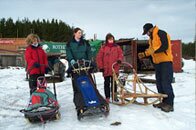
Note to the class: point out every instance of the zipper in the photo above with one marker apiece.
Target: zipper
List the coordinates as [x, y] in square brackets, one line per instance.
[38, 60]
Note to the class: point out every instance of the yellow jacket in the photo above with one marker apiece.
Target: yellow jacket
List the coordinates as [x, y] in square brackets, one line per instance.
[159, 46]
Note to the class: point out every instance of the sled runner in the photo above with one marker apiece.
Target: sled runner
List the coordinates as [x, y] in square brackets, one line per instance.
[43, 104]
[87, 98]
[130, 89]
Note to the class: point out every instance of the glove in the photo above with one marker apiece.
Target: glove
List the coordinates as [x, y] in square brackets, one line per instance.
[72, 62]
[93, 64]
[36, 65]
[46, 70]
[141, 55]
[101, 70]
[119, 61]
[81, 62]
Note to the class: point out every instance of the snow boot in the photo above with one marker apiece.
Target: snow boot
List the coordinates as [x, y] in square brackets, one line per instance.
[107, 100]
[116, 100]
[159, 105]
[167, 108]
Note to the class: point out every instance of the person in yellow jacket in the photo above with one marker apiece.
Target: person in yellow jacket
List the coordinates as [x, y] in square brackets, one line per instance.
[160, 50]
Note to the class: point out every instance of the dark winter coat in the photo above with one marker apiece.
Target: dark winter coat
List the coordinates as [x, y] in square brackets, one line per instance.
[35, 55]
[106, 56]
[78, 50]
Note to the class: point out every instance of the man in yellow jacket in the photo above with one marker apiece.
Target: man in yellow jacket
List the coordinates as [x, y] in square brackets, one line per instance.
[160, 50]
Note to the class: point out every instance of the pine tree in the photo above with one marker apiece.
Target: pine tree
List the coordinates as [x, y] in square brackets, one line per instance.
[47, 30]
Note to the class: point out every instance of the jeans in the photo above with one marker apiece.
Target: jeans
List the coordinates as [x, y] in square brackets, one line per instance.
[164, 76]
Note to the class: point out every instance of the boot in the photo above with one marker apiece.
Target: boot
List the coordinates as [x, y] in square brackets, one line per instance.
[116, 99]
[107, 100]
[167, 108]
[159, 105]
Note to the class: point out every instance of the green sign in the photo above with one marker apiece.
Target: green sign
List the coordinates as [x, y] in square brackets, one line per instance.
[54, 47]
[95, 46]
[60, 47]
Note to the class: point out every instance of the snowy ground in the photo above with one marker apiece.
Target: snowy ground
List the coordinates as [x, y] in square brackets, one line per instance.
[14, 95]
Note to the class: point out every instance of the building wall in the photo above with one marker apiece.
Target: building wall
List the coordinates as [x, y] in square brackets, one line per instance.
[10, 55]
[8, 61]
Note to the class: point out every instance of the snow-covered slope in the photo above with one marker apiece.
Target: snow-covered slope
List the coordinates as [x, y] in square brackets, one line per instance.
[14, 95]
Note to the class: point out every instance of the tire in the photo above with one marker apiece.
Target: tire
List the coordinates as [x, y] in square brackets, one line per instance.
[31, 120]
[62, 76]
[57, 116]
[62, 72]
[80, 114]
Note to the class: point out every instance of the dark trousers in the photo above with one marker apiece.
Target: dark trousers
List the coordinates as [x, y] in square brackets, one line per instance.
[108, 82]
[33, 82]
[164, 76]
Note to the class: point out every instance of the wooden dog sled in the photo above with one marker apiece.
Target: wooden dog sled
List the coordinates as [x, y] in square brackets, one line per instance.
[130, 88]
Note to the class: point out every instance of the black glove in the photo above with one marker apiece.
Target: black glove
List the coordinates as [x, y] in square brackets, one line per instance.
[36, 65]
[101, 70]
[46, 70]
[93, 65]
[119, 61]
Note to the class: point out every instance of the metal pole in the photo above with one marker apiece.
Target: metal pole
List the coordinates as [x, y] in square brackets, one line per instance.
[54, 86]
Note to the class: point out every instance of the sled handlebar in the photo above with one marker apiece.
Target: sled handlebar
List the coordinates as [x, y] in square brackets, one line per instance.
[123, 63]
[54, 86]
[81, 65]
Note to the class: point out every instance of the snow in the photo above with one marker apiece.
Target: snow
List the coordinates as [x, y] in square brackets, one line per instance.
[14, 96]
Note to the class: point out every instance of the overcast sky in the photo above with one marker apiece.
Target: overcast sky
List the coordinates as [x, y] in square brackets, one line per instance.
[123, 18]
